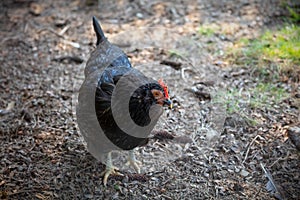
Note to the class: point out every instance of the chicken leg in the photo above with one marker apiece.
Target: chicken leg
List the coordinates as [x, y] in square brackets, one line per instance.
[133, 162]
[110, 169]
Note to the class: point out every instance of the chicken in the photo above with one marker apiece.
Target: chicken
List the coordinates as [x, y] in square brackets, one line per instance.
[118, 106]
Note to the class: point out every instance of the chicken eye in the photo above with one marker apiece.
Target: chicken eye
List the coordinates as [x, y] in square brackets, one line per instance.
[156, 93]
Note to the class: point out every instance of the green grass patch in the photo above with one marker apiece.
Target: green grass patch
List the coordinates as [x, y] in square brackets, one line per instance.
[294, 10]
[208, 29]
[283, 44]
[262, 95]
[281, 47]
[176, 53]
[295, 16]
[265, 95]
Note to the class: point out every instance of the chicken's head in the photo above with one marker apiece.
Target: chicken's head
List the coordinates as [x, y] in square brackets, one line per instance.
[162, 96]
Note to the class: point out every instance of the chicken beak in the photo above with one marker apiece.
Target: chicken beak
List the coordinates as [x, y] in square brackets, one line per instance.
[168, 102]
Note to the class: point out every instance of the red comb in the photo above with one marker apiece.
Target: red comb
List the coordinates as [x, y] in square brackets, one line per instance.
[165, 87]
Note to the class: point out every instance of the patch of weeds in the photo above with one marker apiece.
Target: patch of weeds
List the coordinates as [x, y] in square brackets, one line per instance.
[208, 30]
[294, 14]
[265, 95]
[268, 74]
[280, 47]
[240, 101]
[283, 44]
[232, 99]
[238, 54]
[177, 54]
[117, 187]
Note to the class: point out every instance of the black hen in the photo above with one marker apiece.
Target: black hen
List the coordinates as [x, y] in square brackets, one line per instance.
[117, 105]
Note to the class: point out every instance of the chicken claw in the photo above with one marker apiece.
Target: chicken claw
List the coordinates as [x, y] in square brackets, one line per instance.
[133, 162]
[110, 169]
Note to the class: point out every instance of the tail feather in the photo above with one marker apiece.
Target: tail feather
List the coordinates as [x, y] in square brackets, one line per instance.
[98, 31]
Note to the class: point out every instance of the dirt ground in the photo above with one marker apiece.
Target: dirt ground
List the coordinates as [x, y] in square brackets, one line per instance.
[214, 155]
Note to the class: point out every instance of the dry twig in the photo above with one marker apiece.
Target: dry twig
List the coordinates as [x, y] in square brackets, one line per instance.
[248, 149]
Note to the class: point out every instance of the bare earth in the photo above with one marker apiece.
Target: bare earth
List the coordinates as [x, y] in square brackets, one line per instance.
[214, 155]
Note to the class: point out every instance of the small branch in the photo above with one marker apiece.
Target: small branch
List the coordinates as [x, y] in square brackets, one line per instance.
[248, 149]
[65, 39]
[173, 64]
[64, 30]
[50, 30]
[182, 73]
[201, 95]
[24, 191]
[69, 58]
